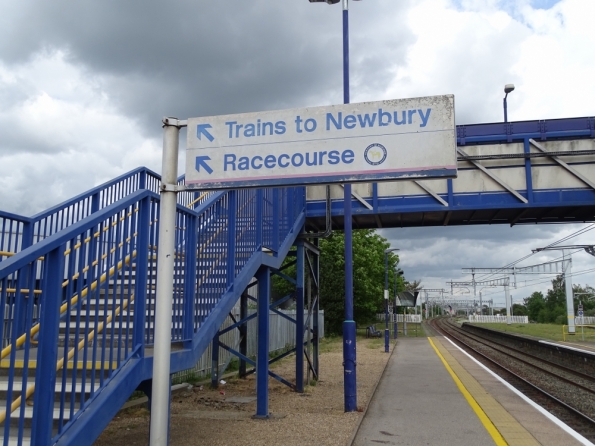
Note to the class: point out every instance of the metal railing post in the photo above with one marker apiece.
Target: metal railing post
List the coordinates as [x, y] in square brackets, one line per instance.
[43, 403]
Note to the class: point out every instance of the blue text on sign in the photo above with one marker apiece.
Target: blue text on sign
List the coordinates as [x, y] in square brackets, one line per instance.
[231, 162]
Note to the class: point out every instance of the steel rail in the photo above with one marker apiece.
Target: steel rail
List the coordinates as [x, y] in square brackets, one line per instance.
[482, 340]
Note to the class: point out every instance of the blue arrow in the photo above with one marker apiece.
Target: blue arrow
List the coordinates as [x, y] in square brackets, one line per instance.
[202, 161]
[201, 129]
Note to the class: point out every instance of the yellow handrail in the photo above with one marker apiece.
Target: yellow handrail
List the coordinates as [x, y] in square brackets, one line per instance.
[35, 329]
[90, 336]
[197, 200]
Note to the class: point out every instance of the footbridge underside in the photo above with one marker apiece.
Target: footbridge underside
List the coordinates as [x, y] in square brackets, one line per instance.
[508, 173]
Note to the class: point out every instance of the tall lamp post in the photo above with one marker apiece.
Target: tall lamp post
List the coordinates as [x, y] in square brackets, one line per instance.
[398, 272]
[386, 330]
[507, 89]
[349, 359]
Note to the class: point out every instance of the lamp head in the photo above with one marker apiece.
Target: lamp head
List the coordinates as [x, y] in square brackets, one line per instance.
[508, 88]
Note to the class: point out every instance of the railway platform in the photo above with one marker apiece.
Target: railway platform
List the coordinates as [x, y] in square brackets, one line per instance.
[431, 393]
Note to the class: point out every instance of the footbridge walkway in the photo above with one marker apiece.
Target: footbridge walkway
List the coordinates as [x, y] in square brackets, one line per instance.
[77, 282]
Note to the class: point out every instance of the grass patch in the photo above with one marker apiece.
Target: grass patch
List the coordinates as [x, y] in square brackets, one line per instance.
[546, 331]
[375, 343]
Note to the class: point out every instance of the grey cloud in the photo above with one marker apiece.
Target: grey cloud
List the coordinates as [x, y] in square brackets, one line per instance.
[189, 58]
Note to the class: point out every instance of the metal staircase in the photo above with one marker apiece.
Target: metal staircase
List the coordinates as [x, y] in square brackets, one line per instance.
[77, 295]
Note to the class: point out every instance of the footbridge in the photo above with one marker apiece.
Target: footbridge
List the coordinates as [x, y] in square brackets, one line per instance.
[508, 173]
[78, 281]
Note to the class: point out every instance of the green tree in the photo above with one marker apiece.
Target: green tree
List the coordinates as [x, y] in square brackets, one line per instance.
[534, 304]
[519, 310]
[555, 302]
[368, 277]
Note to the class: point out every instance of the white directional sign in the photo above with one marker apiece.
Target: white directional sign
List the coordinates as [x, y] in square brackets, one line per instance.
[370, 141]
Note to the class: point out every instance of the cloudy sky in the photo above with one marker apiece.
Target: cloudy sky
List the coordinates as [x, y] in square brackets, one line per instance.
[83, 87]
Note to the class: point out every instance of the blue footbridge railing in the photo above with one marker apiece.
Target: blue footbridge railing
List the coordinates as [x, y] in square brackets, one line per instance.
[18, 232]
[77, 295]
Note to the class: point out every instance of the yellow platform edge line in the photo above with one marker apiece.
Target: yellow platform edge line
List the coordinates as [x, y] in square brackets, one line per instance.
[485, 420]
[20, 364]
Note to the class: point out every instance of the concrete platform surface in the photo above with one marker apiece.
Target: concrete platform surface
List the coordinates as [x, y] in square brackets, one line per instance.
[433, 394]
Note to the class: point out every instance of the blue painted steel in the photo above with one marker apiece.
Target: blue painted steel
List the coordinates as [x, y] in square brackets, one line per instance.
[215, 362]
[350, 384]
[111, 234]
[59, 217]
[316, 311]
[467, 201]
[528, 175]
[101, 253]
[262, 356]
[299, 318]
[231, 236]
[375, 196]
[243, 328]
[47, 350]
[346, 98]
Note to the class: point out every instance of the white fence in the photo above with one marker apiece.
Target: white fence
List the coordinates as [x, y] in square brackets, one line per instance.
[585, 320]
[413, 318]
[281, 337]
[498, 319]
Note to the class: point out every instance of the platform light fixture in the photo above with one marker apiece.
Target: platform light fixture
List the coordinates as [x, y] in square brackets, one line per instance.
[386, 330]
[398, 272]
[507, 89]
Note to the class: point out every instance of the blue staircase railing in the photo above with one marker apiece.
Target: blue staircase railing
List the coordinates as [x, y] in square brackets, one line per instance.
[18, 232]
[77, 306]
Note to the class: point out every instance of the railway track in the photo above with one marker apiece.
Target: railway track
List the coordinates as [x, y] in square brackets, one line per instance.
[566, 393]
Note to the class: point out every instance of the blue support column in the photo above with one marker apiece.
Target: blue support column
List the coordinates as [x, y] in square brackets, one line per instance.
[316, 311]
[299, 319]
[528, 175]
[190, 264]
[243, 333]
[259, 217]
[349, 358]
[375, 197]
[276, 220]
[215, 361]
[43, 403]
[231, 238]
[450, 191]
[141, 273]
[262, 355]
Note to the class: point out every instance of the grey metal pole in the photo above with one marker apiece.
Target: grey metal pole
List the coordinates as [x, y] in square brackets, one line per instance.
[568, 290]
[386, 332]
[159, 429]
[508, 304]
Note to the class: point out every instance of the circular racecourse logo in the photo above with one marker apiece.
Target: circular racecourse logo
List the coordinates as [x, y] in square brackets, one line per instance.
[375, 154]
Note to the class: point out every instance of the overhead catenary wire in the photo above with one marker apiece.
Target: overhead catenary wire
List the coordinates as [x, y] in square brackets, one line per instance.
[581, 231]
[530, 283]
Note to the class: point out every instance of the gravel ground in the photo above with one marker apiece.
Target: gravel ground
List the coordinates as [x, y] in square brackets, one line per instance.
[204, 416]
